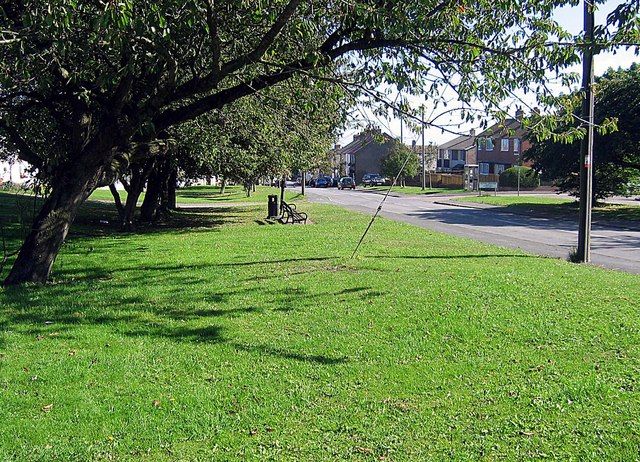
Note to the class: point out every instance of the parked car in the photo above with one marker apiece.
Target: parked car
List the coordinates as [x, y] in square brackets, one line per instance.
[329, 181]
[346, 183]
[457, 168]
[321, 182]
[373, 179]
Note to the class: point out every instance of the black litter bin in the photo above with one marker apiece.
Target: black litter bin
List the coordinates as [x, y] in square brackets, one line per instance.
[273, 206]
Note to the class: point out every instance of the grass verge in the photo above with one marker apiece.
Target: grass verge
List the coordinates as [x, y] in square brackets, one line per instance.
[225, 338]
[557, 207]
[414, 190]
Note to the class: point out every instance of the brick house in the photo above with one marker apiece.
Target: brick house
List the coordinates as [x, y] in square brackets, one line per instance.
[494, 150]
[501, 146]
[456, 153]
[362, 155]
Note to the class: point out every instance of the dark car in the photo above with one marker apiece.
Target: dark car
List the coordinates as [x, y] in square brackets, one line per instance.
[322, 182]
[330, 181]
[373, 179]
[457, 168]
[346, 183]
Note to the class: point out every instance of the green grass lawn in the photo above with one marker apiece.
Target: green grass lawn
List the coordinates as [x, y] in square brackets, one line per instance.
[224, 338]
[557, 206]
[516, 200]
[209, 195]
[414, 190]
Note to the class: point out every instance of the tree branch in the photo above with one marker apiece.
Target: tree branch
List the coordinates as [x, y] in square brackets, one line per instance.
[199, 85]
[24, 151]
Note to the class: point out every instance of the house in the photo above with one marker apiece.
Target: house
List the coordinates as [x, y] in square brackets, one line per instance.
[454, 154]
[14, 171]
[501, 146]
[494, 150]
[362, 155]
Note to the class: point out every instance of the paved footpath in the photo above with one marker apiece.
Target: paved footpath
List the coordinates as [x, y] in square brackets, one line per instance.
[616, 248]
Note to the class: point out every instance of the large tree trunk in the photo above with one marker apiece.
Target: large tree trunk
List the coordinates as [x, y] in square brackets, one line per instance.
[139, 175]
[51, 226]
[171, 189]
[151, 199]
[168, 180]
[117, 200]
[155, 204]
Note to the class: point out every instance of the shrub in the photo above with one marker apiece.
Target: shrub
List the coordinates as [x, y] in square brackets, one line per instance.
[528, 178]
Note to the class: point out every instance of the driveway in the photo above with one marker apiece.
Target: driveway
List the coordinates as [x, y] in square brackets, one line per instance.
[611, 247]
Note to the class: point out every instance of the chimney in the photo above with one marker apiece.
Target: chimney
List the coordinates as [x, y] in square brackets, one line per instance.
[336, 147]
[413, 143]
[472, 132]
[519, 114]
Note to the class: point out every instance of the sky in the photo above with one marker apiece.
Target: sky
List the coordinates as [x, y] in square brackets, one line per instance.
[571, 18]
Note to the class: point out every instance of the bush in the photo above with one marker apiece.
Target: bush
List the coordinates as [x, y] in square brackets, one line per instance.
[528, 178]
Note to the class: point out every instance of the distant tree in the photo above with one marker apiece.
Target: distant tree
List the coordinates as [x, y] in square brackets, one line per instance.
[400, 160]
[616, 154]
[264, 135]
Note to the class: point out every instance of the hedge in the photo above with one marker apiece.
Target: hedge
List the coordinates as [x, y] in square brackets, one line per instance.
[528, 178]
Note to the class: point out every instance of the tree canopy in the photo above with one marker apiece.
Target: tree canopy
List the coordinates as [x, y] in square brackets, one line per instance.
[616, 154]
[267, 134]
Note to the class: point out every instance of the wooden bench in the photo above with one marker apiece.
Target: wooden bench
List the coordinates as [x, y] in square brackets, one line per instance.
[290, 214]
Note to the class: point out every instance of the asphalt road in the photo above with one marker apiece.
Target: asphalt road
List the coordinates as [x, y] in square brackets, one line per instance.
[615, 248]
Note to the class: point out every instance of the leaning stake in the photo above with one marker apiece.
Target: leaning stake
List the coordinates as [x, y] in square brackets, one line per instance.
[381, 203]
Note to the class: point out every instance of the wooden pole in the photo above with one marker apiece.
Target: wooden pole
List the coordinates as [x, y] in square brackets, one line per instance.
[586, 147]
[424, 170]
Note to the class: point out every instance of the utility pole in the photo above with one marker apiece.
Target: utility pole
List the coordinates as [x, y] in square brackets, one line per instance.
[424, 170]
[586, 146]
[432, 147]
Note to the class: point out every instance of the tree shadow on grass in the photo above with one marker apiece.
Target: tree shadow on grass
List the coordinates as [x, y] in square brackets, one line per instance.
[450, 257]
[282, 353]
[95, 221]
[86, 274]
[59, 312]
[208, 334]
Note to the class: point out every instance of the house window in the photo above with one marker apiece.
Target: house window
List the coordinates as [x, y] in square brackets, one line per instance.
[489, 144]
[454, 155]
[481, 143]
[499, 168]
[504, 144]
[484, 168]
[463, 156]
[516, 146]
